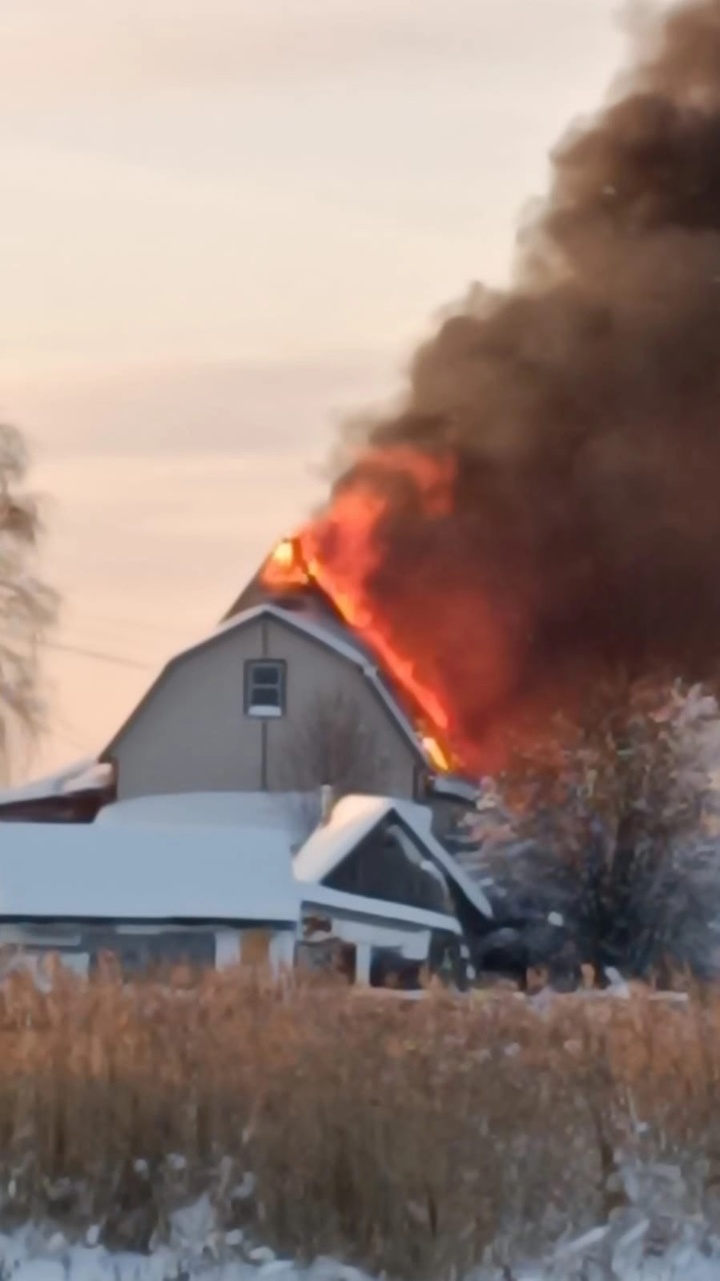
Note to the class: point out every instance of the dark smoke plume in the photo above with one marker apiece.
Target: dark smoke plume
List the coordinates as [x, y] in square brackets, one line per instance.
[582, 408]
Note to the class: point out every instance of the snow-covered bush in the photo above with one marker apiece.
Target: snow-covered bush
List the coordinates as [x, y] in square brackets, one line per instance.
[603, 845]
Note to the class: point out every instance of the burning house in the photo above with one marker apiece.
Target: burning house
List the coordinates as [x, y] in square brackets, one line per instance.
[291, 693]
[537, 510]
[294, 580]
[285, 706]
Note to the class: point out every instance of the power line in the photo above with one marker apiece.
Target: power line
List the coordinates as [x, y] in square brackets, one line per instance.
[100, 656]
[93, 620]
[141, 649]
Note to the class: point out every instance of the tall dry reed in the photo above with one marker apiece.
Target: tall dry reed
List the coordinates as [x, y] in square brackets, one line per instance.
[412, 1137]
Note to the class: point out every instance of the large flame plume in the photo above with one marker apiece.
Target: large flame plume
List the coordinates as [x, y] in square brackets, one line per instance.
[546, 499]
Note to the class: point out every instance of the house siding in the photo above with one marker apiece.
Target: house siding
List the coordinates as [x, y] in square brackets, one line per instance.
[138, 946]
[192, 733]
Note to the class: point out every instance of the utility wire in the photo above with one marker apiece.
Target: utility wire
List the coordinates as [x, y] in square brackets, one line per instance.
[125, 645]
[94, 620]
[100, 656]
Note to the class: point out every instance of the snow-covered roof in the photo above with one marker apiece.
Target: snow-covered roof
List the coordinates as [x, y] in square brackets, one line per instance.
[354, 817]
[455, 788]
[90, 871]
[284, 811]
[377, 909]
[96, 776]
[82, 775]
[332, 636]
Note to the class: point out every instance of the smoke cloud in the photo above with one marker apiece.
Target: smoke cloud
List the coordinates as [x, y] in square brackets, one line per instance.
[580, 410]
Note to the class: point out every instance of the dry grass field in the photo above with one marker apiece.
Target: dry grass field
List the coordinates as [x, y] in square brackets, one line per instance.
[407, 1136]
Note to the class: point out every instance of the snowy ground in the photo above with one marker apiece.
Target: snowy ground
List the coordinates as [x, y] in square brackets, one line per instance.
[25, 1263]
[634, 1248]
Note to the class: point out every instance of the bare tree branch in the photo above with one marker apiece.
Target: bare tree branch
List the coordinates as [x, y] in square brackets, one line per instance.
[334, 745]
[28, 607]
[611, 834]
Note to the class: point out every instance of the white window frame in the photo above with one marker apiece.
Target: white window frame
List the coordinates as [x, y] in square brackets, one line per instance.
[254, 708]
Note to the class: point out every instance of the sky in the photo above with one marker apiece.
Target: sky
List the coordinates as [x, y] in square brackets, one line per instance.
[225, 225]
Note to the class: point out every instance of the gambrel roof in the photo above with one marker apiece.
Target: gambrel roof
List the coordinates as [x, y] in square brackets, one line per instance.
[326, 633]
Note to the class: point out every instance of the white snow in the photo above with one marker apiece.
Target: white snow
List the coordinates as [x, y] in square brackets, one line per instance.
[198, 1250]
[455, 788]
[350, 820]
[280, 811]
[97, 774]
[55, 784]
[354, 817]
[376, 909]
[220, 857]
[341, 643]
[82, 871]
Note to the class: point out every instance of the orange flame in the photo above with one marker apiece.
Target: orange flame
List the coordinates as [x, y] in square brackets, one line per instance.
[286, 566]
[344, 550]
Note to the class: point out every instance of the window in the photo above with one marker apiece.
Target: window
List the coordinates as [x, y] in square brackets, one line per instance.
[264, 688]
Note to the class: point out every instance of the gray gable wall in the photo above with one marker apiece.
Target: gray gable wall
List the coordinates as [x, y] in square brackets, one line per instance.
[191, 732]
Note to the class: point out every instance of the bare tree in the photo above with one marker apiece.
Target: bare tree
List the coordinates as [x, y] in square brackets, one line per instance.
[27, 605]
[606, 844]
[333, 745]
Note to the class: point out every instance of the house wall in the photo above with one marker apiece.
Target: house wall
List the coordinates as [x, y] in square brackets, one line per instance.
[376, 944]
[192, 733]
[80, 944]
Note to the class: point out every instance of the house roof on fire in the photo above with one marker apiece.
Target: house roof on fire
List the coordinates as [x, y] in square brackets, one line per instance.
[354, 818]
[324, 632]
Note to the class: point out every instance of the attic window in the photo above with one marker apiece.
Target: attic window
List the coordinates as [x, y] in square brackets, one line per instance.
[264, 688]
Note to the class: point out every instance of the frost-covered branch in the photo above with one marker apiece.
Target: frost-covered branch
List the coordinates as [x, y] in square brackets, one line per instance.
[606, 842]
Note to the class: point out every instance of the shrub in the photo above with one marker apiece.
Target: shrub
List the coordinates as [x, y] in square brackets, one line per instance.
[605, 840]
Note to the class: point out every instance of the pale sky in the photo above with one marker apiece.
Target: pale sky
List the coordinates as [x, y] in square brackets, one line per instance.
[225, 223]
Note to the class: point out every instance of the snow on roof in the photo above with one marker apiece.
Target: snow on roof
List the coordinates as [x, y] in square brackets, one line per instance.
[377, 909]
[56, 784]
[353, 818]
[329, 634]
[89, 871]
[455, 788]
[285, 811]
[96, 776]
[341, 643]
